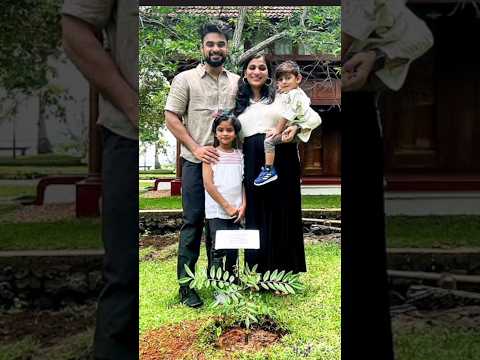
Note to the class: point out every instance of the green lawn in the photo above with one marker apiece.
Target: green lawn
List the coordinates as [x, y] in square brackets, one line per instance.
[156, 176]
[437, 343]
[312, 317]
[35, 172]
[74, 234]
[433, 231]
[39, 160]
[16, 191]
[308, 202]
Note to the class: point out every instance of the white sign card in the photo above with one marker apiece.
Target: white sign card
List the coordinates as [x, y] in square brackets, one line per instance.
[237, 239]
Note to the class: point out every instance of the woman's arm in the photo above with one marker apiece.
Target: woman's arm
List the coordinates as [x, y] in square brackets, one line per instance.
[213, 191]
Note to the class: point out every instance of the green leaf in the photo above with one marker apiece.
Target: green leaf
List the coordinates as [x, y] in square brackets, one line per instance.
[219, 273]
[220, 285]
[262, 284]
[225, 275]
[184, 280]
[281, 287]
[289, 289]
[254, 268]
[232, 279]
[280, 275]
[247, 323]
[287, 276]
[189, 272]
[212, 272]
[266, 275]
[274, 274]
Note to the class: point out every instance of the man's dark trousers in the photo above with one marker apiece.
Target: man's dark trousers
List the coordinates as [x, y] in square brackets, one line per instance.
[116, 333]
[193, 203]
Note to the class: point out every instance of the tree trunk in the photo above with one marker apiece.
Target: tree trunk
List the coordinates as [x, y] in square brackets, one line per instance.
[43, 144]
[157, 163]
[237, 35]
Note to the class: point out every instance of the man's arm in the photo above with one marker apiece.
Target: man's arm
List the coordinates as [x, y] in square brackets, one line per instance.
[207, 154]
[86, 52]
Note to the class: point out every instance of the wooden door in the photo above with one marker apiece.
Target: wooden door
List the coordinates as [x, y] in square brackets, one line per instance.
[321, 155]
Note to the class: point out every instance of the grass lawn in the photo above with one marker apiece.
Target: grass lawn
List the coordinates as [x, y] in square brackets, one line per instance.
[312, 317]
[433, 231]
[75, 234]
[39, 160]
[154, 176]
[16, 191]
[308, 202]
[34, 172]
[436, 343]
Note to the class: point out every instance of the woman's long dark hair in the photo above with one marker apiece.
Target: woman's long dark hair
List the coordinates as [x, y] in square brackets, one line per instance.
[245, 93]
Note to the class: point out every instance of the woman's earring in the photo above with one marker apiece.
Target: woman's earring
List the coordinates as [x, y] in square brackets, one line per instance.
[269, 83]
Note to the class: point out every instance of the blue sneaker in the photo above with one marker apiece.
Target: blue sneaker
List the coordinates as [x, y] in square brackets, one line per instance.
[266, 176]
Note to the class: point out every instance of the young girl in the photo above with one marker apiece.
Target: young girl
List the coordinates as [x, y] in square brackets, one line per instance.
[296, 110]
[224, 192]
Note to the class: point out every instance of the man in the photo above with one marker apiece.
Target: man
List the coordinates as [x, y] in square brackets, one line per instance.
[194, 96]
[380, 38]
[114, 74]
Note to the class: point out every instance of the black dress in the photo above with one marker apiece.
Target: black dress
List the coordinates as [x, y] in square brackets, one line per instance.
[274, 208]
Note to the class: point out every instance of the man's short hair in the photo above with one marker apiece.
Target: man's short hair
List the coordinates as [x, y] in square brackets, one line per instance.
[287, 67]
[215, 27]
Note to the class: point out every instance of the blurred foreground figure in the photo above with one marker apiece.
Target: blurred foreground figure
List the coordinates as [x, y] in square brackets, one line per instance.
[380, 38]
[113, 72]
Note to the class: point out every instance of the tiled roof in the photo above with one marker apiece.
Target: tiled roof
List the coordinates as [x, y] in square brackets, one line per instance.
[272, 12]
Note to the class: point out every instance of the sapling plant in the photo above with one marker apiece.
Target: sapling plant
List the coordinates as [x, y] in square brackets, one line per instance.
[240, 291]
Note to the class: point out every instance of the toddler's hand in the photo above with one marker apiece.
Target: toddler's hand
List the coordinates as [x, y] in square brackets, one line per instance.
[270, 132]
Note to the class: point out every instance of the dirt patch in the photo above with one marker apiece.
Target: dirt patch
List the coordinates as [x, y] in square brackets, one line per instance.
[47, 327]
[177, 341]
[40, 213]
[172, 342]
[155, 194]
[158, 241]
[234, 340]
[466, 317]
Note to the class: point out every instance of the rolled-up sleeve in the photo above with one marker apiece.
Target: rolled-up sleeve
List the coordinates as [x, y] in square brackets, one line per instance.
[96, 13]
[358, 18]
[177, 100]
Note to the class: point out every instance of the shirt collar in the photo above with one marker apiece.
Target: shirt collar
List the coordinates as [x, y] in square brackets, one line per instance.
[202, 71]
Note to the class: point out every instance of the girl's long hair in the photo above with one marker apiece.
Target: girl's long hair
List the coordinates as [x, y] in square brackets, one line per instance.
[245, 93]
[226, 115]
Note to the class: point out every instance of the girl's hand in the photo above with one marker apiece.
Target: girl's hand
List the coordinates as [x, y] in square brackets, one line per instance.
[241, 213]
[231, 211]
[289, 133]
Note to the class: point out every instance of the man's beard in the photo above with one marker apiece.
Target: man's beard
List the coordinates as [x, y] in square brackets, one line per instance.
[216, 63]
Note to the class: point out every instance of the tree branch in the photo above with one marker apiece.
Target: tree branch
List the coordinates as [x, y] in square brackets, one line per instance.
[260, 46]
[237, 35]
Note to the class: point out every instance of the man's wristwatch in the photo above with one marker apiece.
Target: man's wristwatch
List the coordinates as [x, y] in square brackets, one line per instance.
[380, 58]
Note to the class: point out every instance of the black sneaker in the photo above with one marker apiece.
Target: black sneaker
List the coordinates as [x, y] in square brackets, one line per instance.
[189, 297]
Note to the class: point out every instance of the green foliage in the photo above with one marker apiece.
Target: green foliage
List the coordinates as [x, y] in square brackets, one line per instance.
[240, 291]
[167, 42]
[30, 33]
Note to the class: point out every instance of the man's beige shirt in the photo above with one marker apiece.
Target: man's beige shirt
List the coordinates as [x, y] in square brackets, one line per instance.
[119, 20]
[195, 95]
[390, 26]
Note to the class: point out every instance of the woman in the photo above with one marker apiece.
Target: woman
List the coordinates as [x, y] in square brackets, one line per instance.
[273, 209]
